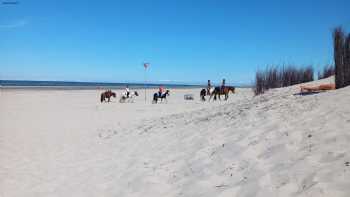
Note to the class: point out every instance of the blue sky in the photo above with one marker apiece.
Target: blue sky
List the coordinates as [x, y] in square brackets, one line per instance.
[184, 41]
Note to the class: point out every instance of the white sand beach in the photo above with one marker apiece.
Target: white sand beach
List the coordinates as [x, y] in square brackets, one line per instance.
[67, 143]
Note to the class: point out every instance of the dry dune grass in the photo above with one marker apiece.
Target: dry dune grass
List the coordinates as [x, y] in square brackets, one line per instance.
[276, 77]
[341, 57]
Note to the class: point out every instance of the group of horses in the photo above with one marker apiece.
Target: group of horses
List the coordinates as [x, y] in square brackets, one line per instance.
[106, 96]
[215, 92]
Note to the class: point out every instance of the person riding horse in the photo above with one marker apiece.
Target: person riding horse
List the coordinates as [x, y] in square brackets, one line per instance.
[222, 85]
[160, 92]
[128, 97]
[160, 95]
[127, 91]
[222, 90]
[208, 87]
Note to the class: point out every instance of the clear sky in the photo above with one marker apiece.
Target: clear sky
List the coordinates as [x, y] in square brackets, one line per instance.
[184, 41]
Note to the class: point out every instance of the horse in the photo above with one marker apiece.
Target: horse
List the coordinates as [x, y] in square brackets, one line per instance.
[107, 95]
[206, 92]
[130, 99]
[156, 96]
[222, 91]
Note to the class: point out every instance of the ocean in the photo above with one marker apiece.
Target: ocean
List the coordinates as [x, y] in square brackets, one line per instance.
[23, 84]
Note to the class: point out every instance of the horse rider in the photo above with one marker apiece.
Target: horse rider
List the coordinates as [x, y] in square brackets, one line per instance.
[127, 91]
[161, 90]
[223, 85]
[208, 87]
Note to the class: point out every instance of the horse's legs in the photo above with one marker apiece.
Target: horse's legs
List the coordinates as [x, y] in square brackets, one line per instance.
[162, 97]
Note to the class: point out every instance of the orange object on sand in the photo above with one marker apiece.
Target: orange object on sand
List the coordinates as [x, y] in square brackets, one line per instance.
[322, 87]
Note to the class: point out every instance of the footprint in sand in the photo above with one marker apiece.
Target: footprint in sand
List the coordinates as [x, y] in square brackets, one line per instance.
[107, 133]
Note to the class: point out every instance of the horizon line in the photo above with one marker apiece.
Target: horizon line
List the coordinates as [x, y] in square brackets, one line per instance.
[125, 83]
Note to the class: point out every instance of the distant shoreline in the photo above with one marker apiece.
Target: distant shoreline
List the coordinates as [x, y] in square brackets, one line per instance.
[89, 87]
[66, 85]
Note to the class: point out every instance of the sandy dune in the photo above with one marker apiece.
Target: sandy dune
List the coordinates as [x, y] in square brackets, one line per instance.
[66, 143]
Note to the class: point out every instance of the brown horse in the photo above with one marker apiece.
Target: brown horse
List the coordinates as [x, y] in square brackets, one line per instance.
[107, 95]
[222, 91]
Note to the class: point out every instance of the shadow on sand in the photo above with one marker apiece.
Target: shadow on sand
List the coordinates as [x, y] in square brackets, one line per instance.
[305, 93]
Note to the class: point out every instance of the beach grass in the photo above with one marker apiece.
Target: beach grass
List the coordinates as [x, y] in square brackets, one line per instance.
[326, 72]
[281, 76]
[341, 57]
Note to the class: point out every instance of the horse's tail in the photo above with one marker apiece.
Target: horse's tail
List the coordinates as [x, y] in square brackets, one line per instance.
[155, 98]
[203, 92]
[102, 98]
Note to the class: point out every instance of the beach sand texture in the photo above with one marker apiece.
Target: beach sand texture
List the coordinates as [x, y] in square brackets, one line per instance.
[67, 143]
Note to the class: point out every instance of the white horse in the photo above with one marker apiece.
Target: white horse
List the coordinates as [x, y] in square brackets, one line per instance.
[128, 99]
[206, 92]
[211, 90]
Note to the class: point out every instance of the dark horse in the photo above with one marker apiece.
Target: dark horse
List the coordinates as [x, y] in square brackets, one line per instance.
[107, 95]
[157, 96]
[202, 94]
[222, 91]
